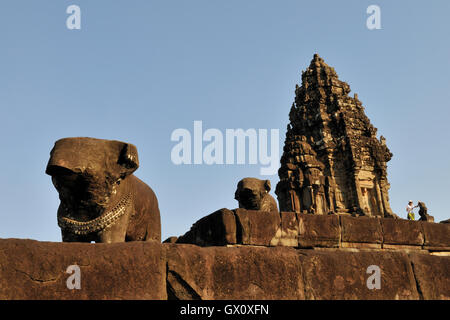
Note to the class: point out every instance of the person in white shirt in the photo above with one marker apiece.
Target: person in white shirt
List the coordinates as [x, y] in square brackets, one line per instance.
[409, 210]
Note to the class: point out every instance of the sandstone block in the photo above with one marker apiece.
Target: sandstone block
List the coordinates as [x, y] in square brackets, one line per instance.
[343, 275]
[318, 230]
[361, 229]
[432, 275]
[435, 234]
[216, 229]
[398, 231]
[37, 270]
[256, 227]
[287, 233]
[233, 273]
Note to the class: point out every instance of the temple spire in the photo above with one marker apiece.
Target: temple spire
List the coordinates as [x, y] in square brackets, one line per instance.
[332, 160]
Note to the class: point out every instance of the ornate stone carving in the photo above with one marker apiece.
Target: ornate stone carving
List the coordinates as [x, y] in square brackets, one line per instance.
[332, 159]
[101, 199]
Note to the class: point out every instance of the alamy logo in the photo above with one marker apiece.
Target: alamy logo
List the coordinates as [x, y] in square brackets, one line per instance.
[213, 152]
[74, 281]
[374, 20]
[374, 281]
[74, 20]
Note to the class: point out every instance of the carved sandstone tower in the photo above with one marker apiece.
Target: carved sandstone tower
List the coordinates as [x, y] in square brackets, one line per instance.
[332, 159]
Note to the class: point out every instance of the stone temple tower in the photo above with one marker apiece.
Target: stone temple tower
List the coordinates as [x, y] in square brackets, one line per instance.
[332, 159]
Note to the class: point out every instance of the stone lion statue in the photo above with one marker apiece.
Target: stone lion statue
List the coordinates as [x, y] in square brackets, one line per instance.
[423, 212]
[101, 199]
[253, 194]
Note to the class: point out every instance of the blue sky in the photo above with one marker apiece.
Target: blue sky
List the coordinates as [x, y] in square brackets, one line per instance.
[138, 70]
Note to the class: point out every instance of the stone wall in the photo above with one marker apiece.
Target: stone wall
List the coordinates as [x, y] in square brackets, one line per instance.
[249, 227]
[242, 254]
[145, 270]
[37, 270]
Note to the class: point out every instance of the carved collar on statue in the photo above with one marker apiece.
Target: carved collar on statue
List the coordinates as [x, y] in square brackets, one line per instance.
[102, 222]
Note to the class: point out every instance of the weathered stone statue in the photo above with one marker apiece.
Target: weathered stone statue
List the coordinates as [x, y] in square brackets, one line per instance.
[101, 199]
[423, 212]
[253, 194]
[332, 159]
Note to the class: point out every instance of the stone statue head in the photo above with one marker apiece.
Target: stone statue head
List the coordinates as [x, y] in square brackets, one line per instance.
[86, 171]
[251, 192]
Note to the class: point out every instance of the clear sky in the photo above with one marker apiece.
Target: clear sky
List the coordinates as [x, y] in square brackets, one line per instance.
[138, 70]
